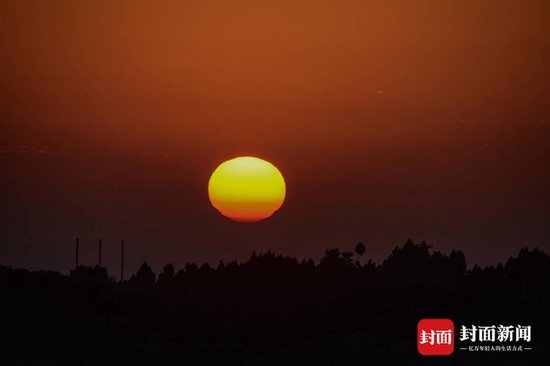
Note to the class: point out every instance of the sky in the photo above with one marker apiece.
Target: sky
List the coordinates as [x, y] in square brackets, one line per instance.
[389, 120]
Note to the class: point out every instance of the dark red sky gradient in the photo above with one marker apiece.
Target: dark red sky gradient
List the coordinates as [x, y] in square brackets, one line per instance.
[388, 120]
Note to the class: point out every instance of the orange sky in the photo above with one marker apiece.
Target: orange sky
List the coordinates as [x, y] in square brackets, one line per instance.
[359, 103]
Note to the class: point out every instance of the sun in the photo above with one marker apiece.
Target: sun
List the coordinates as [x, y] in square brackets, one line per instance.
[247, 189]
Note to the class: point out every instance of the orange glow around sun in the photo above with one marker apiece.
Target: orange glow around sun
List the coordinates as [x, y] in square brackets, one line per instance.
[246, 189]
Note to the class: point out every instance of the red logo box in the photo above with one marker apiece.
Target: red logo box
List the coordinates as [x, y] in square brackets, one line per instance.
[435, 337]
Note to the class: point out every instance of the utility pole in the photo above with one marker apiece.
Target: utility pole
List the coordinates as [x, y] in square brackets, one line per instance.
[122, 261]
[76, 253]
[99, 253]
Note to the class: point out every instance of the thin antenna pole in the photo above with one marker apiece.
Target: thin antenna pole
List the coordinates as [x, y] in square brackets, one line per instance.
[122, 261]
[76, 253]
[100, 253]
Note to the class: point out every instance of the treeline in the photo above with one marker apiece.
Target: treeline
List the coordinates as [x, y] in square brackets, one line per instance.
[410, 262]
[273, 309]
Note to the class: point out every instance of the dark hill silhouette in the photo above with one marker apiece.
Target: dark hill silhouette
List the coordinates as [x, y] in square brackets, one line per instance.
[273, 309]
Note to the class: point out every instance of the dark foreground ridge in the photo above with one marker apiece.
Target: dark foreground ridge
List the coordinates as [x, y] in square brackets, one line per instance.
[273, 309]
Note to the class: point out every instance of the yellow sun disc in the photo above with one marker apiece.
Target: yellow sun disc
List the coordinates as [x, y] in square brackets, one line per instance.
[247, 189]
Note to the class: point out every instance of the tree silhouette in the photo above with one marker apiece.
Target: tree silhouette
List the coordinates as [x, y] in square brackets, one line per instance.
[90, 274]
[166, 277]
[144, 277]
[205, 272]
[335, 259]
[457, 263]
[360, 250]
[412, 261]
[191, 269]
